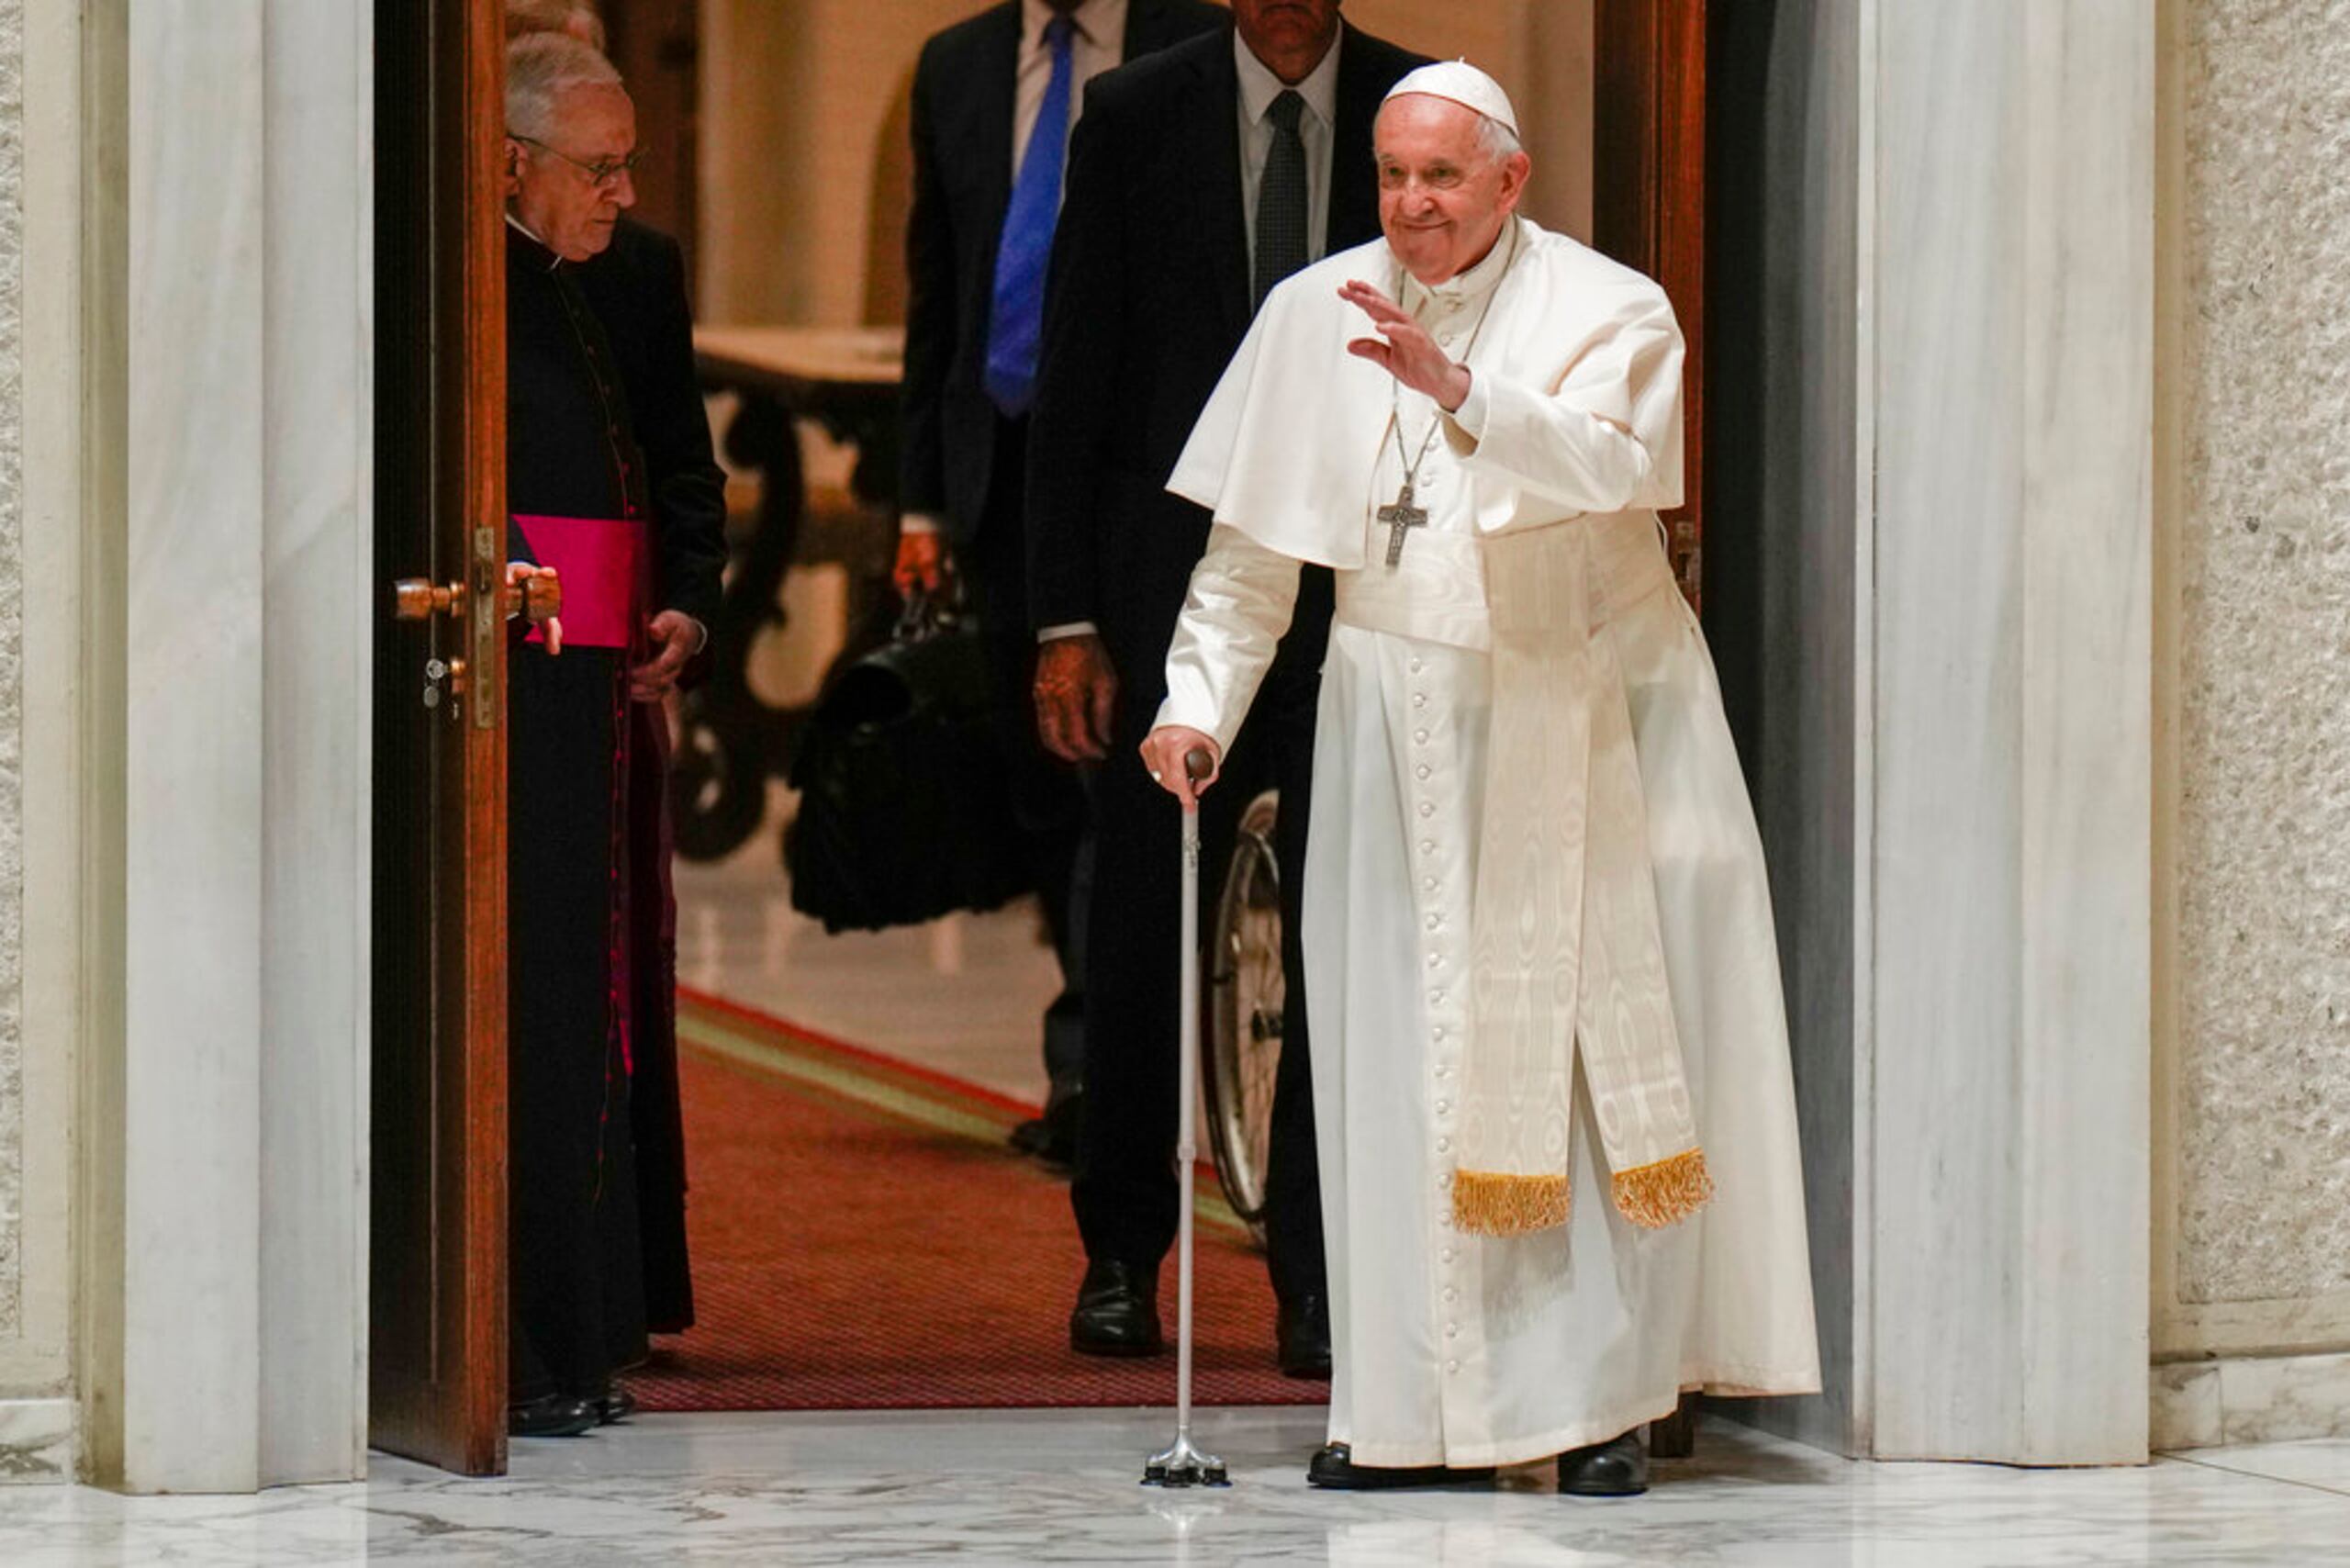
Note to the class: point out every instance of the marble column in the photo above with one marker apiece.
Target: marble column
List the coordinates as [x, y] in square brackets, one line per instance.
[1949, 708]
[2009, 715]
[235, 1146]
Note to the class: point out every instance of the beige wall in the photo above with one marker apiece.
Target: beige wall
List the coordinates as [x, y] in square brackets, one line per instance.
[2252, 1217]
[804, 129]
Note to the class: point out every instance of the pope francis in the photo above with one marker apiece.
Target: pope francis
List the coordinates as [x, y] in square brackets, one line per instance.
[1560, 1175]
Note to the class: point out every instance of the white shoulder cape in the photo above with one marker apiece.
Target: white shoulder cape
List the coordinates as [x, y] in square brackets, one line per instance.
[1579, 374]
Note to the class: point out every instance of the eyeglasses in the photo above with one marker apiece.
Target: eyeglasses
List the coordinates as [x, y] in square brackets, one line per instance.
[605, 172]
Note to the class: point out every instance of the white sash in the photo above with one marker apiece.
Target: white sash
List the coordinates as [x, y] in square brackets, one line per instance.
[1568, 962]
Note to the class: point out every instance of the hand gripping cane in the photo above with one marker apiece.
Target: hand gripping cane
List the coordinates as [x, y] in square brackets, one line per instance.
[1184, 1465]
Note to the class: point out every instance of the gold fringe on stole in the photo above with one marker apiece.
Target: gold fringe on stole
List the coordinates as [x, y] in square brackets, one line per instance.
[1494, 1203]
[1666, 1191]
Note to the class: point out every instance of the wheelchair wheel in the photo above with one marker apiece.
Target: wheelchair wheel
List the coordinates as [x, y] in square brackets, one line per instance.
[1240, 1047]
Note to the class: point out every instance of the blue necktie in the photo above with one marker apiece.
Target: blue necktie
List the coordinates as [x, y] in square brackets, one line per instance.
[1016, 320]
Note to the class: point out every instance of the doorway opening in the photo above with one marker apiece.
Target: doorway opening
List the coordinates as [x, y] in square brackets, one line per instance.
[863, 1231]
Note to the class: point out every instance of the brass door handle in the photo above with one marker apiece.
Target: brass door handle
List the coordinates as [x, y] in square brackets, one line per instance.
[537, 599]
[417, 598]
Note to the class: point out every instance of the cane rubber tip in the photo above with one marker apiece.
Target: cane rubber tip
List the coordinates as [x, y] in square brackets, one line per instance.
[1198, 764]
[1185, 1475]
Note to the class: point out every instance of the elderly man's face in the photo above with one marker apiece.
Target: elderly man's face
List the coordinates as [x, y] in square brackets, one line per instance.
[1442, 197]
[570, 188]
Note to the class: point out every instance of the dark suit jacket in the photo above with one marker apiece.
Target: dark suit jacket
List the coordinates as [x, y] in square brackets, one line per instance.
[1149, 299]
[963, 110]
[637, 289]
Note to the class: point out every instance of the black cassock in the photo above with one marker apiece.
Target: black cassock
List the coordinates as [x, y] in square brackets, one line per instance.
[637, 289]
[574, 929]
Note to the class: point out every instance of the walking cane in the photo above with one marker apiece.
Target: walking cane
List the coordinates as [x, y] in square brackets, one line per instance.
[1184, 1465]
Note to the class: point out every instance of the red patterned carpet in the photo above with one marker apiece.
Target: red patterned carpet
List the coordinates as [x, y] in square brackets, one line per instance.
[863, 1238]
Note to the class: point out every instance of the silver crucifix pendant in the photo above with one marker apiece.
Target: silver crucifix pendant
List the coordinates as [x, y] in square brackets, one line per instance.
[1401, 518]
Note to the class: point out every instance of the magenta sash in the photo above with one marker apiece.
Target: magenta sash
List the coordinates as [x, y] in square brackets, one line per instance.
[599, 561]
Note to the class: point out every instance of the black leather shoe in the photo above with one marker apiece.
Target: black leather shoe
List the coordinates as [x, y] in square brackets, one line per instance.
[1333, 1466]
[1051, 1139]
[615, 1405]
[1301, 1339]
[551, 1415]
[1617, 1468]
[1117, 1312]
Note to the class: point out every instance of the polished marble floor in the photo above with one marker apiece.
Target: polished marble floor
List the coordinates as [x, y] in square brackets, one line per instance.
[1058, 1487]
[1052, 1488]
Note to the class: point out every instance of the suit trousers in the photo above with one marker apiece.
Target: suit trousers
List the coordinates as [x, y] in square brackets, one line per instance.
[1048, 798]
[1124, 1191]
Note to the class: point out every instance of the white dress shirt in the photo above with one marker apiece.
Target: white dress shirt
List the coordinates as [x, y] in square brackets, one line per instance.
[1316, 127]
[1100, 45]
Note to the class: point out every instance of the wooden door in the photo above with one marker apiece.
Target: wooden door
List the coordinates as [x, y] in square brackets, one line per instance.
[1649, 197]
[438, 1346]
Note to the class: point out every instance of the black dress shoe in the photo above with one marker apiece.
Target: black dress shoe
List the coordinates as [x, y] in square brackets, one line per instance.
[551, 1415]
[1333, 1466]
[1117, 1312]
[1617, 1468]
[1301, 1339]
[1051, 1139]
[617, 1404]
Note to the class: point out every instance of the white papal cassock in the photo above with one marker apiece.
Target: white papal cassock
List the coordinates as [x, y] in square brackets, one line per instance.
[1452, 1347]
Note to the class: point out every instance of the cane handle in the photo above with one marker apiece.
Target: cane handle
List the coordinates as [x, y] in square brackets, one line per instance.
[1198, 764]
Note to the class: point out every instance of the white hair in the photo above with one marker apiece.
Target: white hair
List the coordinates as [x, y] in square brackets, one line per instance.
[1499, 142]
[539, 69]
[1494, 138]
[577, 17]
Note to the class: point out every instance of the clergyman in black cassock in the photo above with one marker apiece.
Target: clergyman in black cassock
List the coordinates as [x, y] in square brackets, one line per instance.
[578, 1289]
[637, 289]
[588, 979]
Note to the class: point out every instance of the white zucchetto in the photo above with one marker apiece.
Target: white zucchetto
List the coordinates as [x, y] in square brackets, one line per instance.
[1463, 84]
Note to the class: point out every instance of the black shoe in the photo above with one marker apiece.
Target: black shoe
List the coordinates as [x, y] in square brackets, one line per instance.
[617, 1404]
[1051, 1139]
[1301, 1339]
[1117, 1312]
[1617, 1468]
[551, 1415]
[1333, 1466]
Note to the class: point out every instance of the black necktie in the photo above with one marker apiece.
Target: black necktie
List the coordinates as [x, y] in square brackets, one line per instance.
[1280, 200]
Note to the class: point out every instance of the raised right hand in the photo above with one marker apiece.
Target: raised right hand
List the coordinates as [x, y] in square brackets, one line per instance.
[1076, 688]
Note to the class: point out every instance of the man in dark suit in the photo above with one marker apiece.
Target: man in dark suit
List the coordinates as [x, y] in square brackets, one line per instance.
[993, 101]
[1198, 179]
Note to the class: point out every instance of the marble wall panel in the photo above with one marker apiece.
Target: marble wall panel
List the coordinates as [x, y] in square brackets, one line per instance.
[316, 562]
[2261, 1222]
[41, 498]
[191, 1176]
[2250, 1399]
[12, 1042]
[2008, 1036]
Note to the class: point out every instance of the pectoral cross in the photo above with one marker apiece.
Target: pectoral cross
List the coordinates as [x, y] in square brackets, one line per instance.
[1401, 518]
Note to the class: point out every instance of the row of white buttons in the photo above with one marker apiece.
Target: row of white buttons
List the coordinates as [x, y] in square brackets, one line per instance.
[1434, 922]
